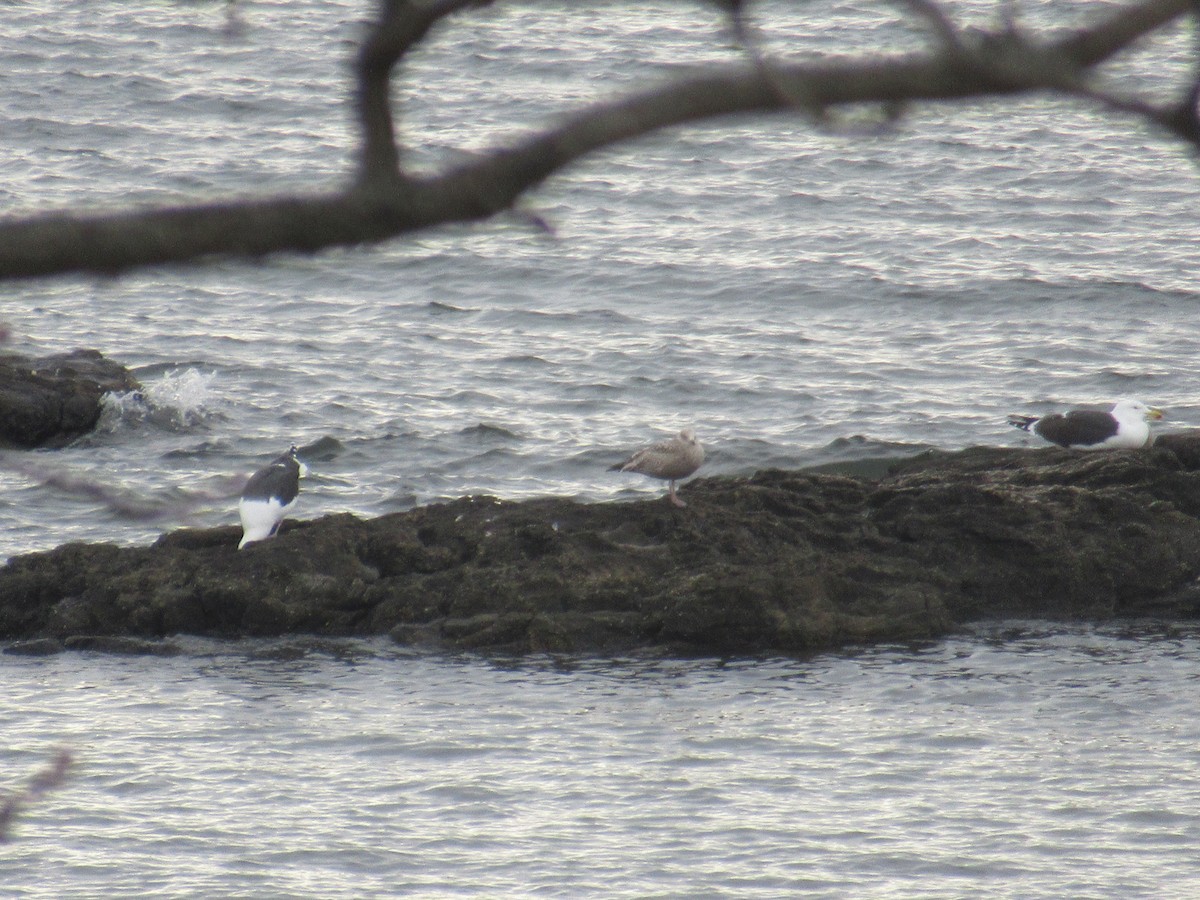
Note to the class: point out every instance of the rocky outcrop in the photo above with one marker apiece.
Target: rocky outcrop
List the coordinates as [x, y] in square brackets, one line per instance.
[777, 562]
[51, 400]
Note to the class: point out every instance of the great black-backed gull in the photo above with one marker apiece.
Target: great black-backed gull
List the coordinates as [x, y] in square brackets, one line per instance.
[1127, 425]
[268, 496]
[672, 459]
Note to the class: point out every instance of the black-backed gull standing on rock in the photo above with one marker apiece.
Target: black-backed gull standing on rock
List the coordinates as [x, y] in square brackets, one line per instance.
[1127, 425]
[672, 459]
[268, 496]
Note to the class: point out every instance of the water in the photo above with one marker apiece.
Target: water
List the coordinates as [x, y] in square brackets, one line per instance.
[799, 295]
[1029, 762]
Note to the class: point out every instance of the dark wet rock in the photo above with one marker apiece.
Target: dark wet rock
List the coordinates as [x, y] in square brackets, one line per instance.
[781, 561]
[51, 400]
[121, 645]
[36, 647]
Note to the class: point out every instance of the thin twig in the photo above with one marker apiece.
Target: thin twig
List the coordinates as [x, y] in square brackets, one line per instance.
[175, 505]
[39, 785]
[400, 26]
[937, 19]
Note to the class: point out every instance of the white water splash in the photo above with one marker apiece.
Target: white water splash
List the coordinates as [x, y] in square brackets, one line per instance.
[188, 395]
[175, 401]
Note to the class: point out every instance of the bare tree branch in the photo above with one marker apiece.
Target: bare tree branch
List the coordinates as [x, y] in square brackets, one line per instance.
[736, 10]
[1184, 118]
[402, 24]
[167, 505]
[1091, 46]
[382, 203]
[939, 22]
[44, 781]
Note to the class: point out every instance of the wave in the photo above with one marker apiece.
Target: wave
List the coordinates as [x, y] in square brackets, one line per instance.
[484, 431]
[177, 401]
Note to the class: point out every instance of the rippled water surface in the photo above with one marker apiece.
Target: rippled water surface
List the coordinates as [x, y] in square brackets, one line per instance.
[1023, 762]
[799, 294]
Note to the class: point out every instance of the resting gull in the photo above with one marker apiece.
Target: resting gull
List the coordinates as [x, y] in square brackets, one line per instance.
[1127, 425]
[672, 459]
[268, 496]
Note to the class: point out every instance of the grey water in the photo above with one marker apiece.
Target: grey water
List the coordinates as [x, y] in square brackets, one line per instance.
[800, 294]
[1027, 761]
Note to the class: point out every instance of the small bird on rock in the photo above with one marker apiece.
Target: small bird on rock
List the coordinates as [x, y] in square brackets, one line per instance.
[268, 496]
[672, 459]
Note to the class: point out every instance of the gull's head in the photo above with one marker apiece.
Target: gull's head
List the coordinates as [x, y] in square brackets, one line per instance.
[291, 454]
[1136, 410]
[688, 435]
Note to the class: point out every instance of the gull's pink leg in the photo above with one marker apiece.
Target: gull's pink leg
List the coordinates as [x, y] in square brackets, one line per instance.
[674, 498]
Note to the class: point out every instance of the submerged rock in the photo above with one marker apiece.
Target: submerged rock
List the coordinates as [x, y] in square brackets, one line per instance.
[51, 400]
[779, 561]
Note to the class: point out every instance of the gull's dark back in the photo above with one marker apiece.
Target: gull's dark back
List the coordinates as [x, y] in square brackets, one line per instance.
[1077, 427]
[280, 479]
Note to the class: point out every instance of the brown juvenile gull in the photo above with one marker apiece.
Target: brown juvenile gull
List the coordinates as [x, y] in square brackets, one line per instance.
[672, 459]
[1127, 425]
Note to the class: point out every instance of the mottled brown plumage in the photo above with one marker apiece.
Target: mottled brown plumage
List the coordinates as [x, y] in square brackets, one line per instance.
[672, 459]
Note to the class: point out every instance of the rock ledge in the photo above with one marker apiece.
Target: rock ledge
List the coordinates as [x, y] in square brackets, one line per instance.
[780, 561]
[50, 401]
